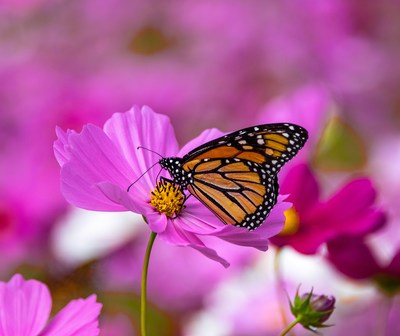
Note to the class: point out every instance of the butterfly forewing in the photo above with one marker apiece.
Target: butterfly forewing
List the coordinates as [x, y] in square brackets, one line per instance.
[270, 145]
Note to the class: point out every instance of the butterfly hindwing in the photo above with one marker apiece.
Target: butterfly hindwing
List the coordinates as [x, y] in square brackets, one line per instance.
[238, 192]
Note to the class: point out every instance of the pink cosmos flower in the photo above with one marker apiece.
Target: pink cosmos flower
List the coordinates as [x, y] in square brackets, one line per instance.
[25, 307]
[312, 221]
[355, 258]
[97, 166]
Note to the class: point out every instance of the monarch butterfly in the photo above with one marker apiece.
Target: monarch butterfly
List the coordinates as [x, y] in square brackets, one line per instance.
[235, 176]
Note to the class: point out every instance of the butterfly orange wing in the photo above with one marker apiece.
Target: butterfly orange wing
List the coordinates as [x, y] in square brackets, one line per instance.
[235, 175]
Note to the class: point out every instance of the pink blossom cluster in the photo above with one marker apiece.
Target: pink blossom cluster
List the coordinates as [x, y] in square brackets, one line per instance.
[199, 69]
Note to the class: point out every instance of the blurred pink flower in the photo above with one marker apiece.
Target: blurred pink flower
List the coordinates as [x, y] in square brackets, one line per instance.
[353, 257]
[116, 325]
[312, 222]
[31, 201]
[97, 166]
[366, 316]
[247, 306]
[308, 106]
[166, 58]
[20, 7]
[25, 309]
[15, 232]
[121, 271]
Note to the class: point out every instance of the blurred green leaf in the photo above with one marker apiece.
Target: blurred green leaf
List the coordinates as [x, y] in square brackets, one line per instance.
[150, 40]
[340, 148]
[389, 284]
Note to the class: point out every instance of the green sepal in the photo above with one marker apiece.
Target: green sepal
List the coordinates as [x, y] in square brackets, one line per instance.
[310, 318]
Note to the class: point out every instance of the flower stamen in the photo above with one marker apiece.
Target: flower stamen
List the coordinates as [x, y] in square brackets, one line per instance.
[167, 198]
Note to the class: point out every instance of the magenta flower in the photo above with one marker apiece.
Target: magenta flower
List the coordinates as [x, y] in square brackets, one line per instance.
[99, 164]
[353, 257]
[25, 307]
[312, 222]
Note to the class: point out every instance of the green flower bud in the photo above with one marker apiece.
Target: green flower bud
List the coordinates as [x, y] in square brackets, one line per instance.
[312, 310]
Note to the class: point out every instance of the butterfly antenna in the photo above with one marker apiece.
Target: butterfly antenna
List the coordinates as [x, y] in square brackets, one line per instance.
[158, 175]
[129, 187]
[150, 150]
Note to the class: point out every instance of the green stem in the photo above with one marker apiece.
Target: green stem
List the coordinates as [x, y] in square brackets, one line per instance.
[290, 326]
[143, 298]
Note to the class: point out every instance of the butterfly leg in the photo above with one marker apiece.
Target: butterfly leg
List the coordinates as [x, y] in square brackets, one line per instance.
[165, 179]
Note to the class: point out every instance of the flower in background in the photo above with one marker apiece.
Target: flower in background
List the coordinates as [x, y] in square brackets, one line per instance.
[366, 316]
[166, 58]
[30, 197]
[24, 7]
[15, 232]
[245, 304]
[308, 106]
[312, 222]
[25, 307]
[120, 271]
[116, 325]
[353, 257]
[97, 166]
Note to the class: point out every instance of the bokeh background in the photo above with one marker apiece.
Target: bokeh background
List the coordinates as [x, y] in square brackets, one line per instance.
[331, 66]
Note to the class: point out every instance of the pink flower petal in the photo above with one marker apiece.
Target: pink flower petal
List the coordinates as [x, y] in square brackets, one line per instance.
[210, 253]
[114, 193]
[24, 307]
[352, 257]
[175, 235]
[357, 214]
[370, 221]
[79, 317]
[205, 136]
[142, 127]
[353, 198]
[61, 147]
[93, 159]
[276, 219]
[306, 243]
[156, 221]
[197, 219]
[243, 237]
[302, 188]
[394, 266]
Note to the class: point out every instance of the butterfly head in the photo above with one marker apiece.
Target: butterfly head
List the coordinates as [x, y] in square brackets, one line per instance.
[174, 166]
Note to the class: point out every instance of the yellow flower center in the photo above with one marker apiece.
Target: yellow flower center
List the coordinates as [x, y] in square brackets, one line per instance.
[292, 222]
[167, 198]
